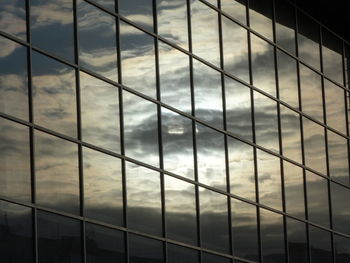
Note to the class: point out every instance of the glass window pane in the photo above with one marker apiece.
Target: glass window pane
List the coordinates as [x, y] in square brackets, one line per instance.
[294, 190]
[269, 176]
[140, 129]
[177, 139]
[144, 200]
[205, 33]
[15, 175]
[342, 249]
[59, 239]
[266, 122]
[244, 230]
[263, 65]
[54, 95]
[139, 12]
[272, 237]
[52, 26]
[180, 206]
[16, 233]
[103, 193]
[144, 250]
[347, 66]
[208, 94]
[340, 208]
[317, 199]
[100, 122]
[214, 221]
[321, 246]
[211, 258]
[13, 18]
[314, 146]
[106, 3]
[285, 26]
[238, 109]
[104, 245]
[235, 49]
[174, 78]
[297, 241]
[174, 29]
[177, 254]
[97, 40]
[236, 9]
[57, 173]
[260, 16]
[211, 157]
[13, 78]
[242, 172]
[138, 58]
[291, 134]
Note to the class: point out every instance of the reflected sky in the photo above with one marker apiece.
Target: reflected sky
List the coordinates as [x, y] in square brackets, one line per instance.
[342, 249]
[321, 245]
[140, 12]
[260, 14]
[13, 18]
[285, 25]
[340, 208]
[297, 241]
[178, 254]
[236, 9]
[144, 250]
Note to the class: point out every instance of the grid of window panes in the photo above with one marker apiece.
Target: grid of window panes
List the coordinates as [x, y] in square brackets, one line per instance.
[172, 131]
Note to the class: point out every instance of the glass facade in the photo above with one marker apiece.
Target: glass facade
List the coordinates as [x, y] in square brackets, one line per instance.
[172, 131]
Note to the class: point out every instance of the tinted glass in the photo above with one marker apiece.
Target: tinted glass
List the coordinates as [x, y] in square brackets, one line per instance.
[139, 12]
[13, 18]
[52, 26]
[340, 208]
[54, 95]
[285, 25]
[59, 239]
[106, 3]
[103, 193]
[177, 254]
[180, 206]
[103, 244]
[99, 102]
[236, 9]
[297, 241]
[143, 199]
[13, 78]
[145, 250]
[15, 178]
[97, 40]
[260, 15]
[342, 249]
[16, 234]
[57, 173]
[210, 258]
[321, 246]
[214, 221]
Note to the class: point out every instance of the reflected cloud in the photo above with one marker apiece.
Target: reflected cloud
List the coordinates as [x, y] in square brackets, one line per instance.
[13, 18]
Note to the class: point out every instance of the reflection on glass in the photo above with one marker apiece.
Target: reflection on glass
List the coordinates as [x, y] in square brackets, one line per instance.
[338, 157]
[144, 250]
[332, 51]
[297, 241]
[179, 254]
[205, 33]
[311, 93]
[172, 21]
[208, 94]
[269, 177]
[287, 79]
[214, 221]
[235, 49]
[97, 40]
[238, 109]
[106, 3]
[211, 157]
[180, 206]
[340, 208]
[342, 249]
[263, 65]
[54, 95]
[140, 129]
[314, 146]
[138, 58]
[57, 173]
[321, 245]
[15, 180]
[317, 199]
[308, 41]
[294, 190]
[236, 9]
[103, 244]
[99, 113]
[260, 16]
[291, 134]
[139, 12]
[244, 230]
[272, 237]
[174, 78]
[52, 26]
[347, 66]
[266, 122]
[103, 193]
[13, 78]
[285, 26]
[144, 201]
[59, 239]
[177, 142]
[241, 166]
[13, 18]
[335, 106]
[211, 258]
[16, 234]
